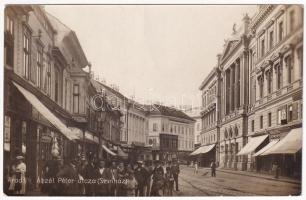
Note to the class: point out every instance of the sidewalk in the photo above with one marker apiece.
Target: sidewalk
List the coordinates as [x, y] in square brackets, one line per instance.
[258, 175]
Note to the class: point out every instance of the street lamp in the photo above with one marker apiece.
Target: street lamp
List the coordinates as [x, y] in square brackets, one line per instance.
[102, 118]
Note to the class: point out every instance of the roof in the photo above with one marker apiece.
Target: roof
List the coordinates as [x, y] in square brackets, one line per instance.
[99, 86]
[64, 33]
[207, 79]
[167, 111]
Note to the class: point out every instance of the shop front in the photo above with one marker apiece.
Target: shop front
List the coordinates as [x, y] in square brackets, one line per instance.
[32, 131]
[204, 155]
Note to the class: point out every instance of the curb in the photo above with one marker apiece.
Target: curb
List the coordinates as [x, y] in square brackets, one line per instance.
[251, 175]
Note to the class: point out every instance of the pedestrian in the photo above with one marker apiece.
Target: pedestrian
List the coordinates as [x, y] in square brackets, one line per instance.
[131, 184]
[148, 166]
[18, 180]
[121, 172]
[114, 177]
[169, 180]
[141, 176]
[196, 167]
[89, 173]
[69, 172]
[103, 177]
[175, 169]
[213, 168]
[50, 170]
[275, 169]
[164, 165]
[158, 180]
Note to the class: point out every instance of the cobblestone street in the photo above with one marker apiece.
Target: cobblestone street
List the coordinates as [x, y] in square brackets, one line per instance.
[226, 184]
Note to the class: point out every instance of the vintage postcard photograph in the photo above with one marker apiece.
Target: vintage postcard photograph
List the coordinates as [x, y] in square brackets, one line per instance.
[140, 100]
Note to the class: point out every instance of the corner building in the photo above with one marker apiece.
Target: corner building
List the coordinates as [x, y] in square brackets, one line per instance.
[276, 69]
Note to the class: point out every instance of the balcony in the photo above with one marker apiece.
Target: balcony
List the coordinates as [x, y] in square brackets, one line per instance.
[283, 91]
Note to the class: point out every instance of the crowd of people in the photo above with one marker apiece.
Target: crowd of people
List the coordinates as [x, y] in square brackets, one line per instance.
[93, 177]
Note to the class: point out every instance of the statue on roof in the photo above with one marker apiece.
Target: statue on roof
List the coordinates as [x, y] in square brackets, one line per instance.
[234, 29]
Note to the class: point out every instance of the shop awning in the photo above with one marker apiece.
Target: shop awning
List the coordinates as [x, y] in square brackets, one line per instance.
[290, 144]
[108, 150]
[121, 153]
[264, 149]
[203, 149]
[89, 136]
[252, 145]
[44, 111]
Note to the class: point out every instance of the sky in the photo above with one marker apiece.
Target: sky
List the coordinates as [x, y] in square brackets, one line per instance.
[158, 53]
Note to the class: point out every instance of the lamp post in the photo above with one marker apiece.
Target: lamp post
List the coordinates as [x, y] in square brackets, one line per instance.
[101, 119]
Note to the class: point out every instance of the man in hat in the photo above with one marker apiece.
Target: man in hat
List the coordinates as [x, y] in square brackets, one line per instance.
[149, 168]
[103, 180]
[114, 177]
[158, 179]
[175, 169]
[67, 179]
[50, 171]
[89, 174]
[18, 183]
[141, 175]
[213, 168]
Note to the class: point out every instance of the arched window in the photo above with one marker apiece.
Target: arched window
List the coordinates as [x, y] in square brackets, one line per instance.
[225, 134]
[230, 133]
[236, 131]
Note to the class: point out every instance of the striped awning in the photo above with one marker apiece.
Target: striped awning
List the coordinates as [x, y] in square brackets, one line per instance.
[203, 149]
[44, 111]
[290, 144]
[252, 145]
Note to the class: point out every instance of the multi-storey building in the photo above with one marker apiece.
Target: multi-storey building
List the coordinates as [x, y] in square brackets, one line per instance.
[194, 112]
[261, 92]
[209, 135]
[233, 64]
[35, 108]
[47, 91]
[171, 132]
[133, 134]
[276, 70]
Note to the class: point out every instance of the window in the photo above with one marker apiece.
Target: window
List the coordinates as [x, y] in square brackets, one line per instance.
[9, 25]
[271, 39]
[269, 119]
[262, 47]
[154, 127]
[56, 85]
[253, 125]
[261, 122]
[198, 126]
[290, 69]
[280, 31]
[292, 20]
[279, 76]
[76, 98]
[163, 127]
[9, 42]
[26, 54]
[39, 65]
[282, 115]
[269, 81]
[66, 93]
[290, 113]
[49, 77]
[300, 58]
[260, 82]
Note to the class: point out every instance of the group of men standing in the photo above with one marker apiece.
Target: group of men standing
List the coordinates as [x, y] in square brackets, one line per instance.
[110, 178]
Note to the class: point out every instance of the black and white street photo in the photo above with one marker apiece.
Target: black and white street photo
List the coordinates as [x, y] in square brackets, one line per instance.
[141, 100]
